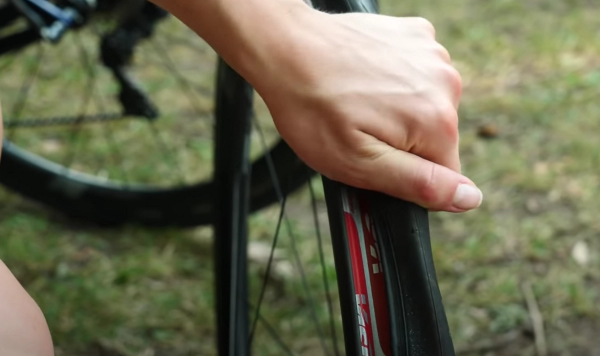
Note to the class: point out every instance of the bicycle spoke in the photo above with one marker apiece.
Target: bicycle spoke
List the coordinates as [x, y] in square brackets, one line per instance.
[313, 200]
[292, 236]
[185, 41]
[267, 273]
[273, 334]
[19, 105]
[88, 93]
[8, 63]
[108, 132]
[269, 159]
[165, 151]
[112, 141]
[184, 85]
[147, 59]
[305, 285]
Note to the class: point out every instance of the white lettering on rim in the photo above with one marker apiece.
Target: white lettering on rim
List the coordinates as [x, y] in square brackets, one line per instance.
[363, 318]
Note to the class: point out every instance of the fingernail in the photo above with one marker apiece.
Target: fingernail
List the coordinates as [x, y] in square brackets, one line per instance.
[467, 197]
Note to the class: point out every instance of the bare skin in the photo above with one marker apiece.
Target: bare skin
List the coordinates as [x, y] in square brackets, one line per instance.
[23, 330]
[368, 100]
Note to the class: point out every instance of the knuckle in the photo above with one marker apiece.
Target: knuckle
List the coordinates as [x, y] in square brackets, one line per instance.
[449, 126]
[455, 78]
[452, 78]
[441, 111]
[442, 52]
[426, 25]
[450, 73]
[445, 119]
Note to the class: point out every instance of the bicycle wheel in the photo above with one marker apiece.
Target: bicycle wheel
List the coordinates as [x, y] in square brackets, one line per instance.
[389, 300]
[84, 137]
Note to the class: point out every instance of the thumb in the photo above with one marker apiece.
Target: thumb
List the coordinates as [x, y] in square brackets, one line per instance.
[430, 185]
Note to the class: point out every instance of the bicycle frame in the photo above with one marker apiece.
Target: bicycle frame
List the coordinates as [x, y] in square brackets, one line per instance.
[48, 20]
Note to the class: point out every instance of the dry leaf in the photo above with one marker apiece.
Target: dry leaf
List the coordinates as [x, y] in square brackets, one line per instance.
[581, 253]
[51, 145]
[488, 131]
[258, 253]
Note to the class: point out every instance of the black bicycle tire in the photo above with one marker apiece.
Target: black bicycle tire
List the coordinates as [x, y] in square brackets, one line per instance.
[231, 210]
[86, 198]
[417, 322]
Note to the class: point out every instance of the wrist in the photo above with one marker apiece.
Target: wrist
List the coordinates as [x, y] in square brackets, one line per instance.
[250, 35]
[264, 38]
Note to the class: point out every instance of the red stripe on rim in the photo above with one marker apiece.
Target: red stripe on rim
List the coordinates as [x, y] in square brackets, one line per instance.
[369, 281]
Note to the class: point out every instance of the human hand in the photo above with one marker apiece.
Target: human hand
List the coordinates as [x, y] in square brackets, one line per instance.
[370, 101]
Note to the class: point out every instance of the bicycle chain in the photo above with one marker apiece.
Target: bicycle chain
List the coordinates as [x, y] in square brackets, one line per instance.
[65, 120]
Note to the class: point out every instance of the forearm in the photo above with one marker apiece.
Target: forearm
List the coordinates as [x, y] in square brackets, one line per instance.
[243, 32]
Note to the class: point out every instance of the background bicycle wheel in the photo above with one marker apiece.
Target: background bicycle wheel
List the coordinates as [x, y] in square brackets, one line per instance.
[130, 140]
[530, 127]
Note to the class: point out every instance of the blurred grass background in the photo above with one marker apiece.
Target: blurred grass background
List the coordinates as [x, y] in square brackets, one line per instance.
[530, 121]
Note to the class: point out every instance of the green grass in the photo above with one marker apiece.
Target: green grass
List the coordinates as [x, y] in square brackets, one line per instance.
[530, 68]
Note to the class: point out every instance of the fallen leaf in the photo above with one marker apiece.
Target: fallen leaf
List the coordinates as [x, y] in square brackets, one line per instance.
[581, 253]
[281, 268]
[51, 145]
[490, 130]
